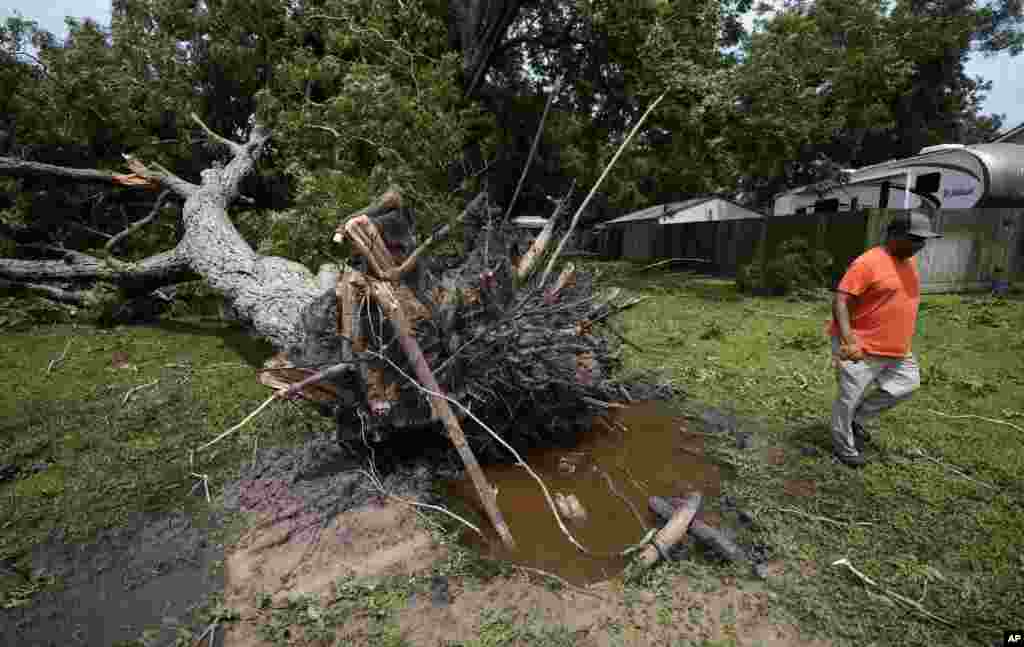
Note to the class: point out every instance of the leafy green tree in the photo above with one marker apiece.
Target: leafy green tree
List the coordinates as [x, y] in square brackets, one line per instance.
[835, 84]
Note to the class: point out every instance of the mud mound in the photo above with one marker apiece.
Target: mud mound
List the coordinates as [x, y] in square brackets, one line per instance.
[315, 517]
[270, 559]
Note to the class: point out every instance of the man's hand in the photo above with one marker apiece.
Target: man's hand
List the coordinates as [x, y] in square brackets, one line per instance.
[850, 350]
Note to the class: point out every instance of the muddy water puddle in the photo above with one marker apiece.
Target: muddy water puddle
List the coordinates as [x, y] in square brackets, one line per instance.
[631, 454]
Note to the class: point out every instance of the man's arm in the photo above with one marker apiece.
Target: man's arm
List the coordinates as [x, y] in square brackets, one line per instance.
[841, 311]
[849, 344]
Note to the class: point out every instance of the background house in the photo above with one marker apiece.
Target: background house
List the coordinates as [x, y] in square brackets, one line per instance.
[711, 228]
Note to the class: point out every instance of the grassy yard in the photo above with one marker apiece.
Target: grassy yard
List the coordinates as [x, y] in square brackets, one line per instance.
[93, 448]
[92, 451]
[955, 545]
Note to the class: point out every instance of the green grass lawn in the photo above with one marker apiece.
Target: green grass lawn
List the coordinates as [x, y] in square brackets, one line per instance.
[107, 457]
[934, 536]
[954, 545]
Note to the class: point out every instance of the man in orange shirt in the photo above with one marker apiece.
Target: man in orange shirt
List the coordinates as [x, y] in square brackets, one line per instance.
[874, 316]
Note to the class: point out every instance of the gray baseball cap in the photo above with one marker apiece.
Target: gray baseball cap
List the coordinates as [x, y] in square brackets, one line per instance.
[915, 223]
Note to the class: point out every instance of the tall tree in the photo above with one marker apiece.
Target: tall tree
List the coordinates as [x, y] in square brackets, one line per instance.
[835, 84]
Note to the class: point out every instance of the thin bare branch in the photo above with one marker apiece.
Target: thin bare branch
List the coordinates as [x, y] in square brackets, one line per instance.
[236, 149]
[892, 594]
[597, 185]
[236, 427]
[669, 261]
[563, 582]
[54, 362]
[52, 292]
[974, 417]
[139, 224]
[918, 452]
[136, 388]
[533, 147]
[834, 522]
[379, 486]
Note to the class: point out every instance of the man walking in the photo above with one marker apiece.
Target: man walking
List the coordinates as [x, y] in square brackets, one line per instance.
[874, 317]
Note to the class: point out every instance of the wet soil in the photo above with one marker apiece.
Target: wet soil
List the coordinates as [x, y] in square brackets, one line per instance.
[313, 516]
[151, 571]
[149, 574]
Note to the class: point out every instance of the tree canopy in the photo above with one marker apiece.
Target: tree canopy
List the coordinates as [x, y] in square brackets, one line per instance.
[443, 99]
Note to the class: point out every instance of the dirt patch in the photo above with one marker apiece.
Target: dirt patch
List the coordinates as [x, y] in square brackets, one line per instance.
[775, 456]
[377, 540]
[385, 540]
[684, 612]
[800, 487]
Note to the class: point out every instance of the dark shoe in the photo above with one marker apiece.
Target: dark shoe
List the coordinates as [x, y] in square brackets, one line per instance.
[856, 461]
[860, 433]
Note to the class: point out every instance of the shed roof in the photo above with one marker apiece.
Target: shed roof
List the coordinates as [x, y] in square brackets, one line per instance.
[657, 211]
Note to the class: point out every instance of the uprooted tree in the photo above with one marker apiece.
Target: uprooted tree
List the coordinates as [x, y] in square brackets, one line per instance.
[389, 339]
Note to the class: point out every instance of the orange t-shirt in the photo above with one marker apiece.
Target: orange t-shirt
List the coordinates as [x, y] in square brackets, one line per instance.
[883, 313]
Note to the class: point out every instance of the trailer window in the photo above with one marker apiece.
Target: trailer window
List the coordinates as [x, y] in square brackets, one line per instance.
[826, 205]
[928, 183]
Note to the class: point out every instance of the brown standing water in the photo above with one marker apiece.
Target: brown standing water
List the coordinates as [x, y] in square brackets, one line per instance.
[629, 455]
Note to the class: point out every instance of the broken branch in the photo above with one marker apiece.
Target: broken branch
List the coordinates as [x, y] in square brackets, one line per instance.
[597, 185]
[543, 239]
[578, 589]
[388, 201]
[669, 261]
[137, 388]
[161, 176]
[440, 234]
[439, 405]
[379, 486]
[54, 362]
[892, 594]
[236, 427]
[673, 532]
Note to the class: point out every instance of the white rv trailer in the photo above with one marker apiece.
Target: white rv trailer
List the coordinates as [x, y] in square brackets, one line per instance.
[948, 176]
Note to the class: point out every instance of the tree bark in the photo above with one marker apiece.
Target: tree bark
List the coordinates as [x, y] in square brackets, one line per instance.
[148, 274]
[268, 293]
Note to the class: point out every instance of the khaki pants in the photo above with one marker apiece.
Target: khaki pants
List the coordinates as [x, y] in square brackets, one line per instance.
[897, 379]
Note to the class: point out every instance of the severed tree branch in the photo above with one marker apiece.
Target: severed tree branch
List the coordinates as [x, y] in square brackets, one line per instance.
[14, 167]
[149, 273]
[51, 292]
[161, 176]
